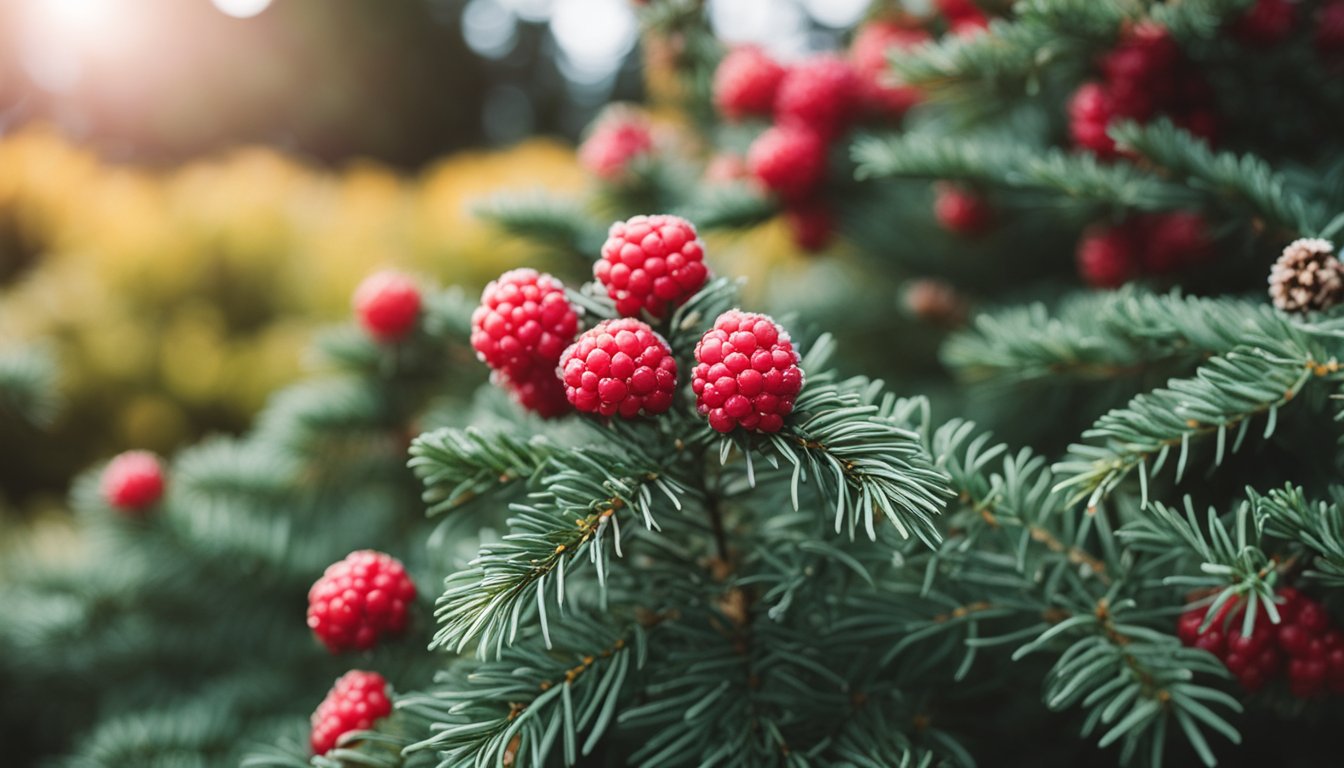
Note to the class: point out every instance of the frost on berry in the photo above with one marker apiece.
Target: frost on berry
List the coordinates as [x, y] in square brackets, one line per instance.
[358, 600]
[617, 139]
[354, 703]
[788, 160]
[619, 368]
[746, 374]
[133, 481]
[387, 304]
[523, 323]
[652, 264]
[745, 83]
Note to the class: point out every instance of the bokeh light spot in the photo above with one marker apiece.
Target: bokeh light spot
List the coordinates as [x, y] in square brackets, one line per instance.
[242, 9]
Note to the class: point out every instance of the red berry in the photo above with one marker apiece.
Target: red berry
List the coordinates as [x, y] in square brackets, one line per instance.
[133, 481]
[1311, 617]
[1329, 34]
[1144, 59]
[355, 702]
[1249, 645]
[1187, 627]
[1252, 679]
[788, 160]
[961, 211]
[746, 374]
[746, 82]
[651, 263]
[1212, 641]
[1268, 22]
[1293, 640]
[1288, 601]
[811, 223]
[1306, 677]
[359, 599]
[821, 93]
[618, 139]
[1090, 112]
[870, 50]
[619, 367]
[1106, 256]
[539, 391]
[969, 26]
[523, 323]
[1173, 241]
[388, 304]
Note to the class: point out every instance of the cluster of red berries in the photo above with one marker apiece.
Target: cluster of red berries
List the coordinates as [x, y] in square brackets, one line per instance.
[358, 600]
[812, 103]
[133, 482]
[387, 305]
[617, 139]
[354, 703]
[1152, 244]
[1314, 649]
[1144, 76]
[650, 265]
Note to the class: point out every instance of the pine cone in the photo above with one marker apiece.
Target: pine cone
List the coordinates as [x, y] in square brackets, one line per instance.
[1307, 277]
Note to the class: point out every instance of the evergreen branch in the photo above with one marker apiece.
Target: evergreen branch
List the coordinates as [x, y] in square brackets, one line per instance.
[28, 385]
[560, 225]
[458, 466]
[729, 207]
[847, 442]
[1013, 166]
[531, 702]
[1244, 180]
[1224, 394]
[1132, 680]
[584, 497]
[1287, 514]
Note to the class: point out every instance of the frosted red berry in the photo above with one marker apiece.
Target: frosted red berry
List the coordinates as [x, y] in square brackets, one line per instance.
[354, 703]
[538, 391]
[745, 83]
[619, 368]
[388, 305]
[359, 600]
[873, 44]
[1107, 256]
[651, 264]
[811, 223]
[788, 160]
[615, 143]
[746, 374]
[1266, 23]
[133, 481]
[961, 211]
[523, 323]
[821, 93]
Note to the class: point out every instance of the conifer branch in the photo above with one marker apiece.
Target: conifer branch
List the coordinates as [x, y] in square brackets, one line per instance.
[28, 385]
[1288, 514]
[458, 466]
[551, 223]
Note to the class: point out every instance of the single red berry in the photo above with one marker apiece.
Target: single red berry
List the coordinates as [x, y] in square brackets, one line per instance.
[523, 323]
[133, 481]
[969, 26]
[387, 304]
[1293, 640]
[1173, 241]
[615, 142]
[811, 223]
[745, 83]
[1106, 256]
[1252, 679]
[962, 211]
[1306, 677]
[1329, 33]
[1139, 71]
[619, 367]
[1267, 23]
[1212, 640]
[354, 703]
[872, 46]
[821, 93]
[651, 263]
[1288, 600]
[1090, 112]
[746, 374]
[1250, 645]
[788, 160]
[538, 391]
[958, 9]
[1187, 627]
[358, 600]
[1311, 617]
